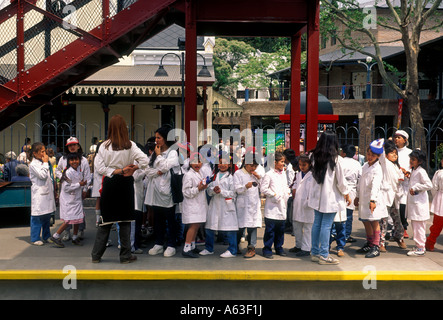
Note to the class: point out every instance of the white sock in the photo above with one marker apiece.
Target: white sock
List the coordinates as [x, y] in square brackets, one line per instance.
[74, 237]
[56, 235]
[187, 247]
[192, 245]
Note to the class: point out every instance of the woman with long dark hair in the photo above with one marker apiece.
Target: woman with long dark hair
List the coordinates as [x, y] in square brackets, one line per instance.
[163, 160]
[115, 161]
[329, 194]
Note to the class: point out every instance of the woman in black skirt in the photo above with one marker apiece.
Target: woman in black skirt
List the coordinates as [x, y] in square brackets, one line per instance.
[115, 161]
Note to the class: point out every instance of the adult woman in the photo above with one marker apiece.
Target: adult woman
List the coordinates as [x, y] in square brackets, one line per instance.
[114, 160]
[159, 196]
[327, 195]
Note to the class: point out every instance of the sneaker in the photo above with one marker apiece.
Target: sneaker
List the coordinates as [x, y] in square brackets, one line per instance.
[405, 235]
[57, 241]
[157, 249]
[303, 253]
[77, 242]
[250, 253]
[138, 251]
[315, 258]
[382, 248]
[169, 252]
[205, 252]
[340, 253]
[365, 249]
[81, 235]
[401, 243]
[38, 243]
[66, 236]
[227, 254]
[417, 252]
[375, 252]
[328, 260]
[131, 259]
[294, 250]
[351, 240]
[190, 254]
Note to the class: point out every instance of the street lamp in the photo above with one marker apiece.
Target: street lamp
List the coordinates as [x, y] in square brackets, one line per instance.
[161, 72]
[368, 66]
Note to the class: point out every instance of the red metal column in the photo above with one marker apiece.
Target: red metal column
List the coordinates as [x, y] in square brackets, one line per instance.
[312, 74]
[295, 92]
[190, 67]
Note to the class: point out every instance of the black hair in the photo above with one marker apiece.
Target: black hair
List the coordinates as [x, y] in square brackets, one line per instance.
[389, 147]
[163, 132]
[66, 150]
[278, 156]
[324, 154]
[349, 150]
[150, 144]
[36, 146]
[305, 158]
[250, 158]
[69, 157]
[221, 156]
[420, 156]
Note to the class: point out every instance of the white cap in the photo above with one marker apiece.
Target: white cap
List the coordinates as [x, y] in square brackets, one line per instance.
[71, 140]
[377, 146]
[402, 133]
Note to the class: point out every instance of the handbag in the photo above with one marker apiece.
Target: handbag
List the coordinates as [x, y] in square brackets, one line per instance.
[176, 186]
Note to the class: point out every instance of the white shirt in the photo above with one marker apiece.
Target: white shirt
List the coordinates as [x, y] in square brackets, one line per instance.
[248, 202]
[194, 205]
[437, 193]
[352, 172]
[300, 209]
[83, 168]
[274, 186]
[403, 160]
[369, 188]
[42, 189]
[417, 206]
[71, 205]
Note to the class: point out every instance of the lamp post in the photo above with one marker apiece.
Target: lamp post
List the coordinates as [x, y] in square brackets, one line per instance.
[161, 72]
[368, 66]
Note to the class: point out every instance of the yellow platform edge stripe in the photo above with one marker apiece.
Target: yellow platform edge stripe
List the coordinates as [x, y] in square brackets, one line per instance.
[231, 275]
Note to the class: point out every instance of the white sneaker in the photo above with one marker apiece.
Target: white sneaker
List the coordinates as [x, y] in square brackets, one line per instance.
[205, 252]
[66, 236]
[328, 260]
[417, 252]
[169, 252]
[157, 249]
[227, 254]
[38, 243]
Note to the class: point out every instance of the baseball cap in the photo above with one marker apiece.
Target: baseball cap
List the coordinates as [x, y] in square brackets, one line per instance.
[377, 146]
[72, 140]
[401, 133]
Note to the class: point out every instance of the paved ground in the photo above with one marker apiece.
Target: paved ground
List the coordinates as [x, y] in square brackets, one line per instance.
[16, 254]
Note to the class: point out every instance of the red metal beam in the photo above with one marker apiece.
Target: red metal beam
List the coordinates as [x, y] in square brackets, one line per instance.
[295, 91]
[190, 67]
[322, 118]
[312, 75]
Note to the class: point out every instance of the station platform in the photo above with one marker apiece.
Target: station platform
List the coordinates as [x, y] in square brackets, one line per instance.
[28, 271]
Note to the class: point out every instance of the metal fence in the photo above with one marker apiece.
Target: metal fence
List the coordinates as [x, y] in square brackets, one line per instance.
[362, 137]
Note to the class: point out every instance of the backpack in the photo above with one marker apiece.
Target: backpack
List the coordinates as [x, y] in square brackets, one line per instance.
[176, 186]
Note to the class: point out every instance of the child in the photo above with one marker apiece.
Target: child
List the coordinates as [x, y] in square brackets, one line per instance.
[73, 146]
[246, 183]
[391, 189]
[222, 215]
[417, 201]
[436, 208]
[194, 205]
[42, 194]
[370, 202]
[302, 215]
[275, 187]
[71, 205]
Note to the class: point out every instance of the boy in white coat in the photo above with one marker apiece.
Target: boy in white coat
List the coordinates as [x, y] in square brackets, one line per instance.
[275, 187]
[302, 214]
[42, 194]
[194, 205]
[417, 201]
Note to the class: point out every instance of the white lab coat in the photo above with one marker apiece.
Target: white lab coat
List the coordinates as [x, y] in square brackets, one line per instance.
[352, 172]
[274, 186]
[71, 202]
[391, 182]
[222, 214]
[301, 212]
[437, 193]
[403, 160]
[42, 189]
[194, 205]
[83, 168]
[139, 188]
[160, 186]
[417, 206]
[369, 188]
[248, 203]
[328, 197]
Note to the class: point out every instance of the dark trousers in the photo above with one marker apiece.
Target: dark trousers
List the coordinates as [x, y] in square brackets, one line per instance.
[404, 220]
[165, 222]
[274, 235]
[102, 237]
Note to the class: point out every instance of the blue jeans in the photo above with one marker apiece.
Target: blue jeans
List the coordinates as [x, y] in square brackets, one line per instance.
[230, 235]
[274, 235]
[40, 224]
[321, 232]
[349, 215]
[339, 234]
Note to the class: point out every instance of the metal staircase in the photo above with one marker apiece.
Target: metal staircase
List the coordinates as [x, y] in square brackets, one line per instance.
[48, 46]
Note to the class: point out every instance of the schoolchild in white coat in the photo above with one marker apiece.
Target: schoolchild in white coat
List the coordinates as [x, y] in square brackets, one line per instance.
[222, 215]
[417, 201]
[248, 204]
[275, 187]
[436, 208]
[42, 194]
[71, 202]
[302, 214]
[370, 200]
[194, 205]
